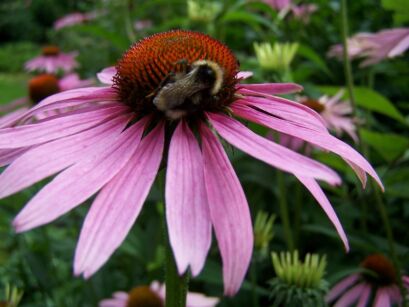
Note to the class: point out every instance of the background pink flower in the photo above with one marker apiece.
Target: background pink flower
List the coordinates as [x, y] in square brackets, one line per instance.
[381, 285]
[74, 19]
[157, 294]
[374, 47]
[52, 60]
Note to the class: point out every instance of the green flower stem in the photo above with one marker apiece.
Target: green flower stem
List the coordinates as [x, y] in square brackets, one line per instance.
[378, 198]
[285, 219]
[176, 286]
[253, 278]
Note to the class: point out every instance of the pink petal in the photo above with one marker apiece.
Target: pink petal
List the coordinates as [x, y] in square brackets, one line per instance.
[194, 299]
[117, 206]
[274, 154]
[351, 296]
[79, 182]
[50, 158]
[285, 109]
[340, 287]
[244, 74]
[382, 298]
[273, 88]
[10, 118]
[9, 155]
[106, 75]
[73, 98]
[229, 212]
[319, 195]
[187, 212]
[62, 126]
[322, 139]
[363, 299]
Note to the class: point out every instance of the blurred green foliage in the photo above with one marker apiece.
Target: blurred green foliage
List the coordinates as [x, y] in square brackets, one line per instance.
[40, 261]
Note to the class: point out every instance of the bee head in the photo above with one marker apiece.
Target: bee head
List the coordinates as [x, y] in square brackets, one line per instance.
[209, 73]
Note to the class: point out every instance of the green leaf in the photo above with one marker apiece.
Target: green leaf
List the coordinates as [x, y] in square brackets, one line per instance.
[389, 146]
[116, 39]
[314, 57]
[247, 18]
[12, 86]
[369, 99]
[400, 8]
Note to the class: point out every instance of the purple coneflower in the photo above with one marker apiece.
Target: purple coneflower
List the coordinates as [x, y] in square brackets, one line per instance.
[374, 47]
[154, 296]
[52, 61]
[39, 88]
[75, 18]
[378, 284]
[173, 94]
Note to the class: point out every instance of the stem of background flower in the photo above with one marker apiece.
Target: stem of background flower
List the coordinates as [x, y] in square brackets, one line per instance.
[285, 219]
[176, 286]
[128, 22]
[378, 198]
[253, 278]
[297, 213]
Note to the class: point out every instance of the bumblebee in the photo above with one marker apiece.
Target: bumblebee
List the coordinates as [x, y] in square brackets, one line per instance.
[188, 90]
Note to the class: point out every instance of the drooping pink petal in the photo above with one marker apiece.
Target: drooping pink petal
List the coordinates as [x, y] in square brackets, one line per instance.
[274, 154]
[364, 297]
[229, 212]
[117, 206]
[72, 98]
[340, 287]
[351, 296]
[106, 75]
[286, 109]
[322, 139]
[319, 195]
[9, 155]
[9, 119]
[27, 135]
[273, 88]
[382, 298]
[50, 158]
[187, 212]
[79, 182]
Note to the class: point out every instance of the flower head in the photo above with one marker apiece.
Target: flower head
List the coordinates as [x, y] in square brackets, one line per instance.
[52, 60]
[298, 283]
[275, 57]
[169, 90]
[202, 10]
[379, 280]
[154, 296]
[374, 47]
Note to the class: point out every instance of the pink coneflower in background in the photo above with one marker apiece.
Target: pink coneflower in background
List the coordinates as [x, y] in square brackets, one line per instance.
[39, 88]
[142, 24]
[75, 19]
[154, 296]
[337, 113]
[378, 285]
[278, 5]
[374, 47]
[170, 90]
[303, 12]
[52, 61]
